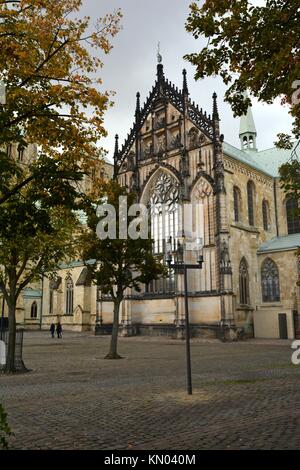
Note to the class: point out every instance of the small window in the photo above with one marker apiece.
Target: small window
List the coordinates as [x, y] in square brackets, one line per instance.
[237, 203]
[250, 194]
[69, 296]
[292, 215]
[51, 301]
[20, 154]
[33, 312]
[245, 142]
[244, 283]
[265, 214]
[9, 151]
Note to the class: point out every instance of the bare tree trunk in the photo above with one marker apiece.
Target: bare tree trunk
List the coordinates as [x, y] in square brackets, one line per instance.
[10, 363]
[113, 354]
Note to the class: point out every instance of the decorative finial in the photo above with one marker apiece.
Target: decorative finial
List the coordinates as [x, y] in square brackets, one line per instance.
[185, 87]
[138, 106]
[116, 146]
[159, 56]
[215, 114]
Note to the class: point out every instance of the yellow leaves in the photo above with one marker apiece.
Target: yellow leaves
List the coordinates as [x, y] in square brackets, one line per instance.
[51, 74]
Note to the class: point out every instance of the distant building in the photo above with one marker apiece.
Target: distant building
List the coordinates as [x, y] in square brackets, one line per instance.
[173, 156]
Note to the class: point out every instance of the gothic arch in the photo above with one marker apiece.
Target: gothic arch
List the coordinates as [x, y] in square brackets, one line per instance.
[203, 216]
[270, 283]
[244, 282]
[152, 178]
[202, 175]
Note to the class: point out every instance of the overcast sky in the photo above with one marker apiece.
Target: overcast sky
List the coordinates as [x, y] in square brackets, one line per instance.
[131, 67]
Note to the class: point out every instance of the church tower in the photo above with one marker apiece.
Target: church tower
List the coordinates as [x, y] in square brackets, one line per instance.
[248, 131]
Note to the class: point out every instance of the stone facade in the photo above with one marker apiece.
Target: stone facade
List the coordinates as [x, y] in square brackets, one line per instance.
[230, 198]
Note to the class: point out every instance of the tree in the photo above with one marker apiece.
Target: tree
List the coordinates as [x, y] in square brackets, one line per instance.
[119, 264]
[5, 431]
[37, 229]
[52, 93]
[250, 47]
[254, 48]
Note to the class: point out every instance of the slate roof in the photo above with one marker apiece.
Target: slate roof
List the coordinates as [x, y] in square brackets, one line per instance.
[285, 243]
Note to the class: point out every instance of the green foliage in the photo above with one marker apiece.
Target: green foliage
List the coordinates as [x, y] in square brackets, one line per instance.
[290, 178]
[250, 47]
[5, 431]
[37, 227]
[284, 141]
[52, 78]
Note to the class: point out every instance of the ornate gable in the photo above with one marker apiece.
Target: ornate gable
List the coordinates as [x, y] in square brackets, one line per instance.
[152, 117]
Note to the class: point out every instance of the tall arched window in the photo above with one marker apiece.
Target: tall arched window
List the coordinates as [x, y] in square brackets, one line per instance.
[270, 281]
[293, 220]
[250, 195]
[20, 154]
[244, 282]
[265, 214]
[50, 301]
[164, 211]
[69, 295]
[237, 203]
[33, 311]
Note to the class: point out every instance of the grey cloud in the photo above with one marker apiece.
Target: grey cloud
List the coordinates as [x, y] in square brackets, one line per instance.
[131, 67]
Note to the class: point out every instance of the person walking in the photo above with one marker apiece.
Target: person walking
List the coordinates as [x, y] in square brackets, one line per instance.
[59, 330]
[52, 329]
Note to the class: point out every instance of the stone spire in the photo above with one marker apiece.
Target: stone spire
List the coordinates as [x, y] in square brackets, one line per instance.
[116, 153]
[160, 67]
[138, 107]
[248, 130]
[185, 87]
[215, 114]
[116, 156]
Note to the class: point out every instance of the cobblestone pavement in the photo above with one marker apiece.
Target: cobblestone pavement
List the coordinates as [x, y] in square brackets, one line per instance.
[246, 395]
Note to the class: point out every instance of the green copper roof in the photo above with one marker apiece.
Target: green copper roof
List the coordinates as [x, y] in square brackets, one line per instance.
[244, 157]
[267, 161]
[286, 243]
[272, 159]
[32, 293]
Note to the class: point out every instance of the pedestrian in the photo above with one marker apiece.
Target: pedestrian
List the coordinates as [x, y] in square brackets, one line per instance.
[59, 330]
[52, 329]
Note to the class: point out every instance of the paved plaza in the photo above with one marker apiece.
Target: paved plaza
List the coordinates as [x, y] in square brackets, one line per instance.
[246, 395]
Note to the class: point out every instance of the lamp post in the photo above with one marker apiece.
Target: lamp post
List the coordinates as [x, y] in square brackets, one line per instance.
[182, 268]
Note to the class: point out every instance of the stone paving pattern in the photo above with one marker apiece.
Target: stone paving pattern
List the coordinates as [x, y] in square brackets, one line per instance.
[246, 395]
